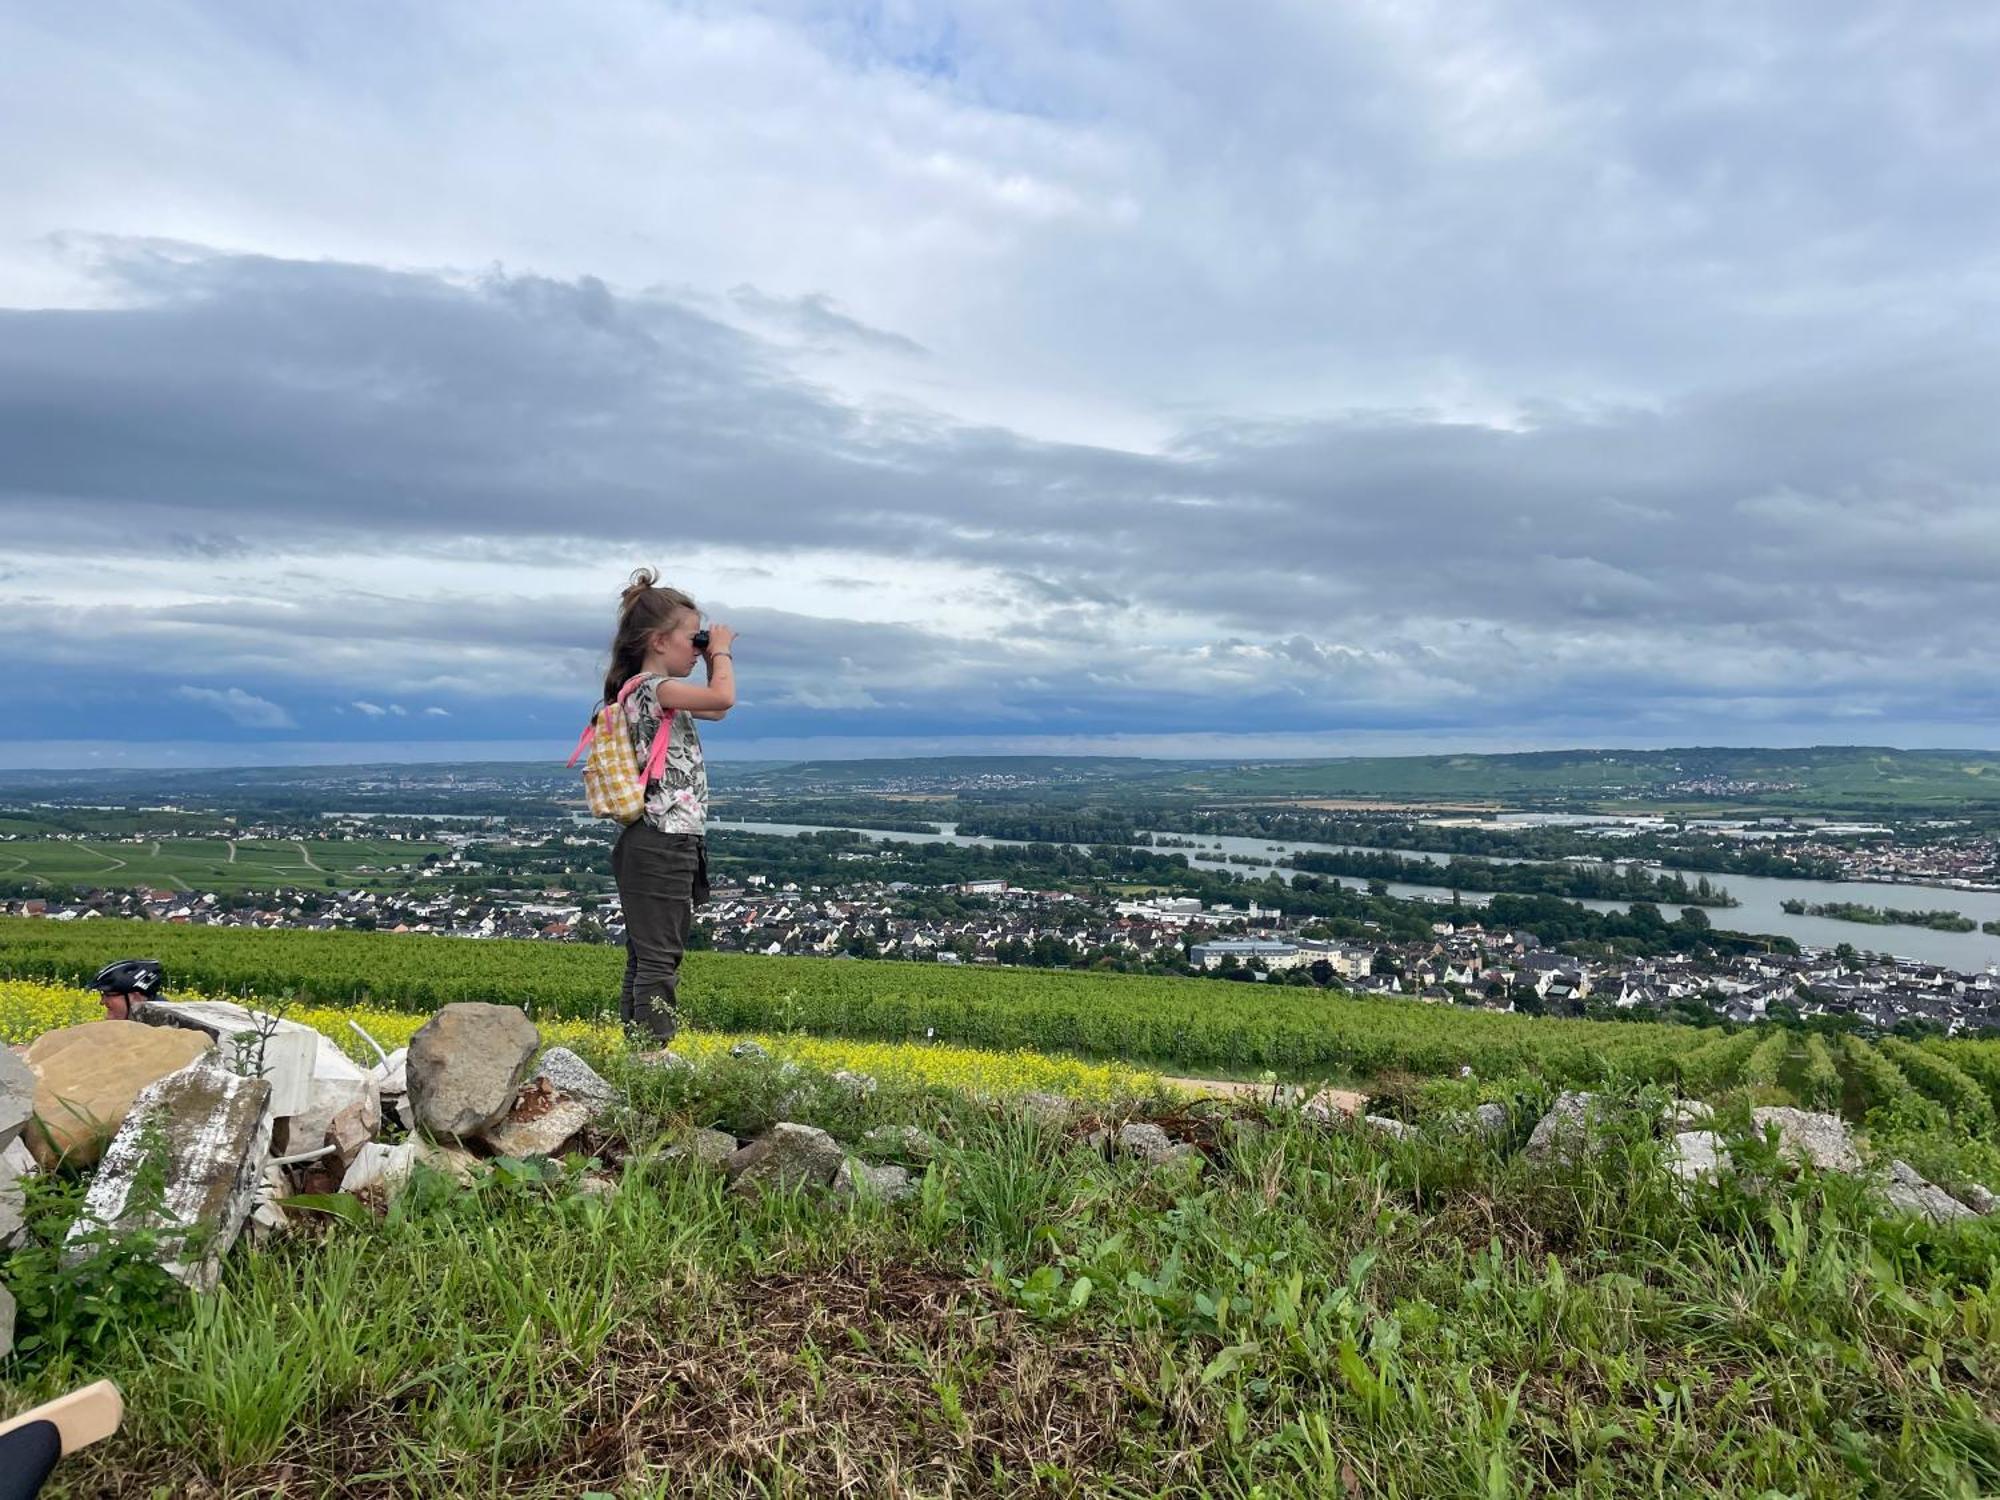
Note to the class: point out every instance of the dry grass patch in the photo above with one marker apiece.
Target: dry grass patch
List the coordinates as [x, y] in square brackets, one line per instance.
[863, 1378]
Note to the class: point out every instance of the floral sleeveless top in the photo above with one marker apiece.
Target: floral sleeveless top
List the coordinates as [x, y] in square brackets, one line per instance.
[678, 801]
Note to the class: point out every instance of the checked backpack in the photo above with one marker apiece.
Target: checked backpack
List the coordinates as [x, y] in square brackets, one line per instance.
[613, 780]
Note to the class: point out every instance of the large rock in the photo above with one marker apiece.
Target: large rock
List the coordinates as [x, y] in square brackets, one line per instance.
[856, 1179]
[1150, 1144]
[6, 1322]
[860, 1085]
[1980, 1199]
[1045, 1108]
[17, 1097]
[87, 1077]
[540, 1125]
[1564, 1132]
[1819, 1140]
[1697, 1156]
[189, 1161]
[251, 1042]
[337, 1085]
[1907, 1193]
[711, 1148]
[1400, 1130]
[566, 1073]
[786, 1156]
[348, 1132]
[1145, 1140]
[466, 1067]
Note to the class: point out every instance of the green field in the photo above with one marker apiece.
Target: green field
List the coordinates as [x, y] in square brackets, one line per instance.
[220, 865]
[1834, 778]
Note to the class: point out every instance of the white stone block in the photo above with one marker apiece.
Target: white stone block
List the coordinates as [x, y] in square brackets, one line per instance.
[288, 1052]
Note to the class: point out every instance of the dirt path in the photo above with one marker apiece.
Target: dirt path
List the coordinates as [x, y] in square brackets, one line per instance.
[305, 855]
[232, 851]
[116, 862]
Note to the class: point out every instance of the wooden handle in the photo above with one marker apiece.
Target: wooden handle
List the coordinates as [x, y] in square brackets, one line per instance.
[82, 1417]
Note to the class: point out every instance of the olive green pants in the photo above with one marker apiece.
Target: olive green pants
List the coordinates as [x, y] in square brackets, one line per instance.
[661, 878]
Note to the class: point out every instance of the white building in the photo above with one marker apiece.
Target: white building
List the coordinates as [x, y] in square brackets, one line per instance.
[1275, 955]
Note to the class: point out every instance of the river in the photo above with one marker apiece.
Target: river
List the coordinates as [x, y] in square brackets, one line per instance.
[1758, 896]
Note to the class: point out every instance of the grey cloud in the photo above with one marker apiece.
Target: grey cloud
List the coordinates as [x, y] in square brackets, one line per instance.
[239, 707]
[816, 319]
[1832, 532]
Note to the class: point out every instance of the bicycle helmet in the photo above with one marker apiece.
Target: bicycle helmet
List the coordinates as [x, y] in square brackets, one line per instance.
[139, 976]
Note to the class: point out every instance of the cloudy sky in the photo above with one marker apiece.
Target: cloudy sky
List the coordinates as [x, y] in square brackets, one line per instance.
[1289, 377]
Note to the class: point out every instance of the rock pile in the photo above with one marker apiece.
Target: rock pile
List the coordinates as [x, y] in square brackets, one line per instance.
[1581, 1124]
[1577, 1124]
[203, 1120]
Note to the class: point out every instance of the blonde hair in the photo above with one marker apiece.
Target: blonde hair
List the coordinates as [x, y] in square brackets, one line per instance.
[644, 609]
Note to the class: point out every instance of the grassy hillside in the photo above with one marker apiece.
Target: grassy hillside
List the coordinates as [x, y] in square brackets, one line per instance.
[1307, 1311]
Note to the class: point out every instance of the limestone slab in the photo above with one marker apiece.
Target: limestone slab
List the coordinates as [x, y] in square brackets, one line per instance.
[279, 1051]
[200, 1137]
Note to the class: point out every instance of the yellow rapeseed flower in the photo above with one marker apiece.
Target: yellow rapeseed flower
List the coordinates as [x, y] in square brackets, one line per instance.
[28, 1009]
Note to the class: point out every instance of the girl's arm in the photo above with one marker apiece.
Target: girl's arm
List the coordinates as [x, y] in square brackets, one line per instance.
[718, 696]
[717, 714]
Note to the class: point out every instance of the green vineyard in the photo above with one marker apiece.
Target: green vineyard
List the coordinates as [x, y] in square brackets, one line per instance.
[1186, 1024]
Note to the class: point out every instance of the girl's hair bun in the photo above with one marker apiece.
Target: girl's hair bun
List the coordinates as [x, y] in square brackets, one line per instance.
[643, 579]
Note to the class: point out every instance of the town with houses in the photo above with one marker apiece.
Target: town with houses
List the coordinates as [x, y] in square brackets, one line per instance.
[1462, 962]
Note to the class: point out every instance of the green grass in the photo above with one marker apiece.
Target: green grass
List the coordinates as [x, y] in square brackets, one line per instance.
[1324, 1313]
[208, 865]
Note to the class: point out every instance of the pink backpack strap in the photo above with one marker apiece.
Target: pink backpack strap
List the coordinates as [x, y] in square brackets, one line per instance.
[661, 738]
[654, 762]
[589, 734]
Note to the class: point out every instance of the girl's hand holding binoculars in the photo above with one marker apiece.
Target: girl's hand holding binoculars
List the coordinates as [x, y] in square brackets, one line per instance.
[719, 639]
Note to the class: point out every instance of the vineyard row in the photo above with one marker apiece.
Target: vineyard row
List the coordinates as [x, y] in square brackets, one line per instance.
[1171, 1023]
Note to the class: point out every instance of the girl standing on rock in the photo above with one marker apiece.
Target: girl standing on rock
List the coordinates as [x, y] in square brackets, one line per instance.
[661, 861]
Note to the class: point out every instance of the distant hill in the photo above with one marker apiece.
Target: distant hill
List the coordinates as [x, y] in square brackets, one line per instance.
[1843, 779]
[1852, 776]
[956, 771]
